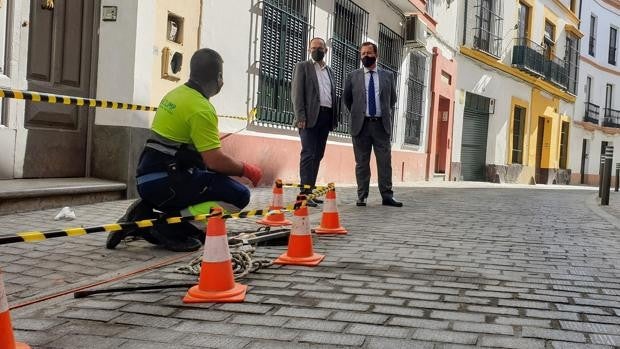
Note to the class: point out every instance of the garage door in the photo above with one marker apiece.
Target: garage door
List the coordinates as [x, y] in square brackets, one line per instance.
[475, 132]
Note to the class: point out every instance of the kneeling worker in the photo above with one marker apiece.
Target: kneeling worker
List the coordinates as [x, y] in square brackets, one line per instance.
[183, 169]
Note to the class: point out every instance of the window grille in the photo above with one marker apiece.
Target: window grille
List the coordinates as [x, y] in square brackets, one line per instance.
[284, 42]
[415, 98]
[487, 29]
[592, 42]
[390, 52]
[613, 38]
[571, 62]
[350, 29]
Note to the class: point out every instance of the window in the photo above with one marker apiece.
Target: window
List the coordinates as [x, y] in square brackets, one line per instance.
[390, 49]
[487, 33]
[415, 98]
[549, 39]
[524, 21]
[609, 92]
[588, 88]
[430, 4]
[564, 145]
[592, 42]
[284, 41]
[518, 132]
[613, 38]
[350, 28]
[571, 62]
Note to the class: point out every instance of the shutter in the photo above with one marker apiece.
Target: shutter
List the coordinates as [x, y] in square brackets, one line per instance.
[474, 145]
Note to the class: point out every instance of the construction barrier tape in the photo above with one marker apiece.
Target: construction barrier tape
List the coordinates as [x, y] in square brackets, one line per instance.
[304, 186]
[35, 236]
[4, 305]
[89, 102]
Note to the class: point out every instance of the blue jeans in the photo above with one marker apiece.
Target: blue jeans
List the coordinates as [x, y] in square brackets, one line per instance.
[182, 189]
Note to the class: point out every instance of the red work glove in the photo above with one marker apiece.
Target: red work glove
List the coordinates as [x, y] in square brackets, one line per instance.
[252, 172]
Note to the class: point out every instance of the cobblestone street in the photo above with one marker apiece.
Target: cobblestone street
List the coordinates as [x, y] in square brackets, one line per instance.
[487, 265]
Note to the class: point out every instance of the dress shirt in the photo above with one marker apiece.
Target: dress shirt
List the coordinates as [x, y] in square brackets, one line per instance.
[325, 85]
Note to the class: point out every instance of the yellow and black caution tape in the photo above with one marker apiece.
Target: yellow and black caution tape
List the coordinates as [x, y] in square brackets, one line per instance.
[80, 101]
[304, 186]
[36, 236]
[89, 102]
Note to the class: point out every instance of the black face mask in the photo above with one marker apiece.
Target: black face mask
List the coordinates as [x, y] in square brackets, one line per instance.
[369, 61]
[317, 55]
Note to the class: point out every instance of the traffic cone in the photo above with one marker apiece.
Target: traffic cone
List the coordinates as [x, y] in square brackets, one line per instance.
[300, 251]
[7, 340]
[330, 221]
[217, 282]
[277, 219]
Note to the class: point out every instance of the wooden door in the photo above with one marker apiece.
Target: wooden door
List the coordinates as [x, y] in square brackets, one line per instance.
[61, 60]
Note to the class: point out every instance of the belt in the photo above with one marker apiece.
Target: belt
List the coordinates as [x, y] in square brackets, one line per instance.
[325, 109]
[373, 118]
[149, 177]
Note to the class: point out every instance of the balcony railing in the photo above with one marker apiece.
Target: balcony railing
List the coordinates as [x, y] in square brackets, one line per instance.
[612, 118]
[591, 113]
[555, 71]
[529, 56]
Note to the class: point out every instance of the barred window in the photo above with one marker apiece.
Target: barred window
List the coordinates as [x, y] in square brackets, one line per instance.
[571, 62]
[415, 98]
[390, 49]
[284, 41]
[488, 26]
[350, 28]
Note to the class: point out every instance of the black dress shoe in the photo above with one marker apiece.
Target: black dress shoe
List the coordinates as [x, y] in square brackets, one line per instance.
[392, 202]
[361, 202]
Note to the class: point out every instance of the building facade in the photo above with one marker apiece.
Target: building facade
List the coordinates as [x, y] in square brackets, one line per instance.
[597, 110]
[516, 93]
[136, 51]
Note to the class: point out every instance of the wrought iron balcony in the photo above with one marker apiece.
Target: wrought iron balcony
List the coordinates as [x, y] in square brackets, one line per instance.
[529, 56]
[612, 118]
[591, 113]
[555, 71]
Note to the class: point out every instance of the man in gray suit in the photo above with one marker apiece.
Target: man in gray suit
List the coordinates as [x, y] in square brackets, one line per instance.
[316, 112]
[370, 96]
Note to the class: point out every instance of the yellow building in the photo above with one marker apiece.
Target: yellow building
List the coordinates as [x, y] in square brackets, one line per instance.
[521, 58]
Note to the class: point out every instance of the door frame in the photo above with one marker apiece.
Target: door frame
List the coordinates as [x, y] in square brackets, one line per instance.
[94, 73]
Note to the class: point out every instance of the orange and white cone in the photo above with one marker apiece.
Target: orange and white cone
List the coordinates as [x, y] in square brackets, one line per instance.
[330, 221]
[217, 282]
[7, 339]
[277, 219]
[300, 250]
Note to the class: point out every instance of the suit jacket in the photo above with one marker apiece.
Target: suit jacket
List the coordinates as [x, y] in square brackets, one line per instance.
[354, 96]
[306, 95]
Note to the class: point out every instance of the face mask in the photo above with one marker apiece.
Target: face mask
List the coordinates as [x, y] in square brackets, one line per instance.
[317, 55]
[368, 61]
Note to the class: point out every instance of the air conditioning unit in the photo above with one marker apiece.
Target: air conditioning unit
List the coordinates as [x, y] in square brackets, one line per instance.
[171, 63]
[415, 31]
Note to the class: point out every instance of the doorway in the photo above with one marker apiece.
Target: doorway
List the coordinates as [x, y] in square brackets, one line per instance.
[540, 176]
[584, 159]
[61, 60]
[441, 153]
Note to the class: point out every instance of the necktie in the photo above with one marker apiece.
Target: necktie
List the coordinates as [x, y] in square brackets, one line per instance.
[372, 104]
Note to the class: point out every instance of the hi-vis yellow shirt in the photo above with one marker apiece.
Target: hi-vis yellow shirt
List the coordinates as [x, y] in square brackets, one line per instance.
[186, 116]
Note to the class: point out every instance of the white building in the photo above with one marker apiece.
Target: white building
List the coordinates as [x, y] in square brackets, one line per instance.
[515, 90]
[129, 51]
[597, 110]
